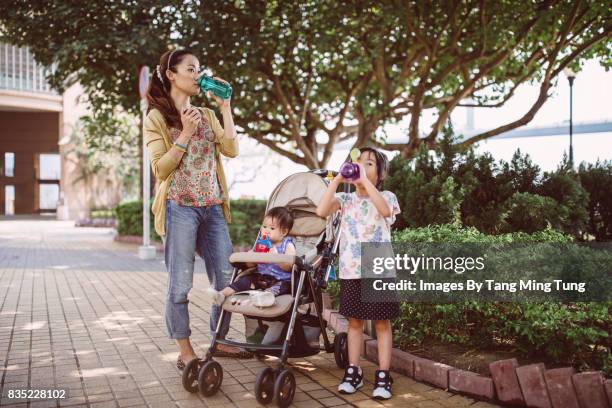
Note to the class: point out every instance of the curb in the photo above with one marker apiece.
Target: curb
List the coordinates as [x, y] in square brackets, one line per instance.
[510, 384]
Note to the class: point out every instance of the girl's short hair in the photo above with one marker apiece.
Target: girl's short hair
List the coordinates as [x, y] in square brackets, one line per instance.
[283, 216]
[382, 164]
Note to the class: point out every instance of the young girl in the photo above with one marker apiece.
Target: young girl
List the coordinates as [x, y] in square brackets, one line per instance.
[275, 278]
[367, 215]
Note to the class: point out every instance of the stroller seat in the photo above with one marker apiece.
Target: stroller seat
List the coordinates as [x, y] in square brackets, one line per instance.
[240, 303]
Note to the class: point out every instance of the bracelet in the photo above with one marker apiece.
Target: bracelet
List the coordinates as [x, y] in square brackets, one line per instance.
[181, 147]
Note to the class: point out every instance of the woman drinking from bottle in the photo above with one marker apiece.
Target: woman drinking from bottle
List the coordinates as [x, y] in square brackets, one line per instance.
[191, 206]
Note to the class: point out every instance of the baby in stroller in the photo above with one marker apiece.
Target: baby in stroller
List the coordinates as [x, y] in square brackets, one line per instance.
[271, 277]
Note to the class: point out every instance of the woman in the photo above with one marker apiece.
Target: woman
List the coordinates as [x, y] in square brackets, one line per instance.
[191, 206]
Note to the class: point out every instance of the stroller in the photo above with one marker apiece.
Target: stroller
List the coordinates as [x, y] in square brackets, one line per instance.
[316, 242]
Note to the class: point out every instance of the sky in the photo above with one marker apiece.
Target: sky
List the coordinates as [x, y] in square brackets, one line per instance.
[258, 170]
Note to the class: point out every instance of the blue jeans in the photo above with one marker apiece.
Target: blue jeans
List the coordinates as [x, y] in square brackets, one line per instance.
[190, 230]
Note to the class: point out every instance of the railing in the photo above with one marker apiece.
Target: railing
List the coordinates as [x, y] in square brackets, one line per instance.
[20, 71]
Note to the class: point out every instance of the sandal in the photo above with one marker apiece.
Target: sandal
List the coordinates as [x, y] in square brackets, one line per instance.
[180, 364]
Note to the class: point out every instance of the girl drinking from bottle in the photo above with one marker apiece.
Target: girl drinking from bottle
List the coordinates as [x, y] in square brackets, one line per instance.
[366, 216]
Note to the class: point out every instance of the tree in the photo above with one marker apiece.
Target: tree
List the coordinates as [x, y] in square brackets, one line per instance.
[312, 73]
[98, 153]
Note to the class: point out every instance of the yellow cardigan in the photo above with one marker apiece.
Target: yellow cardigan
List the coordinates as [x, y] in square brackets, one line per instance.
[164, 163]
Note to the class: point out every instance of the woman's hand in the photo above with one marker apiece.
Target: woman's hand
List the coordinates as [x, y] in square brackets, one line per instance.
[223, 103]
[190, 118]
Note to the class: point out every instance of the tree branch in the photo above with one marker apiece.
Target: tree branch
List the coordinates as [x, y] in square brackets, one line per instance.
[273, 145]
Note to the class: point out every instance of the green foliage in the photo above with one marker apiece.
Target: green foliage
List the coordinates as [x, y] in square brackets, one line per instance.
[426, 187]
[458, 234]
[111, 131]
[102, 213]
[597, 180]
[565, 188]
[531, 212]
[247, 216]
[577, 334]
[129, 219]
[454, 185]
[332, 63]
[106, 146]
[246, 220]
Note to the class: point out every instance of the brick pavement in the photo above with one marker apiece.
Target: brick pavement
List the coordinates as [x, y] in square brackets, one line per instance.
[82, 312]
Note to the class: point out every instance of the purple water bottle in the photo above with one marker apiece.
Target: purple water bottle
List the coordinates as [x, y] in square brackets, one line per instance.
[349, 170]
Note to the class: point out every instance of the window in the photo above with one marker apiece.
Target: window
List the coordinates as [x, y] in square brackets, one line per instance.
[48, 195]
[9, 164]
[9, 200]
[49, 167]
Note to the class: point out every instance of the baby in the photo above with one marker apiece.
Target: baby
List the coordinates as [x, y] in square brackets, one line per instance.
[275, 278]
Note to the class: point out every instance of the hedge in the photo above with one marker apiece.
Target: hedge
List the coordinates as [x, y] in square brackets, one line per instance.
[246, 220]
[247, 216]
[129, 220]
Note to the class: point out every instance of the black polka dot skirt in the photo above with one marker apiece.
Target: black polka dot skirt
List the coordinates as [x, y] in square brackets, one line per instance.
[358, 303]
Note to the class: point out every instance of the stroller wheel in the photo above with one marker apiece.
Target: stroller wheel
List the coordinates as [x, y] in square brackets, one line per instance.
[190, 375]
[341, 350]
[210, 378]
[284, 388]
[264, 386]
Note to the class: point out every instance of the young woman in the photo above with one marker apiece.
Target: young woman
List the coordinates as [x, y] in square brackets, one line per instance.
[191, 206]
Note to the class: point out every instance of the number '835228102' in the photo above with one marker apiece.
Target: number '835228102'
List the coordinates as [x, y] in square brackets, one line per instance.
[35, 393]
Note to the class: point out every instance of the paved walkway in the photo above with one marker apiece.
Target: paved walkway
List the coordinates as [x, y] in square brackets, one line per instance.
[81, 312]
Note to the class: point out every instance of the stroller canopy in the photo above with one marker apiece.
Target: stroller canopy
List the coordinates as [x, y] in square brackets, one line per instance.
[301, 193]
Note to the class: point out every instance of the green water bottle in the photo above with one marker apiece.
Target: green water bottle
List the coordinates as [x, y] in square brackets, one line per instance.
[221, 89]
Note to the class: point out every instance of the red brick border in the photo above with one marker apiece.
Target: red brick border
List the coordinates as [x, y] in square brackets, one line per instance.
[509, 384]
[467, 382]
[533, 386]
[560, 387]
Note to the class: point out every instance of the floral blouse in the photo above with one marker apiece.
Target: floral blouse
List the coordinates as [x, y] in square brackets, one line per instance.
[361, 222]
[195, 182]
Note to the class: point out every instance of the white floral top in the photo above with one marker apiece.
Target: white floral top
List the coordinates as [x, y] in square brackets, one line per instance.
[361, 222]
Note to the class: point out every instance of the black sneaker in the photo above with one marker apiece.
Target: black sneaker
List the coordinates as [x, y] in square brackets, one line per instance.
[352, 381]
[382, 385]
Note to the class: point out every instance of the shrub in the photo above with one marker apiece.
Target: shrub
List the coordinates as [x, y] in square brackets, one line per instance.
[457, 186]
[565, 188]
[102, 213]
[246, 220]
[129, 219]
[425, 194]
[597, 181]
[531, 212]
[575, 333]
[247, 216]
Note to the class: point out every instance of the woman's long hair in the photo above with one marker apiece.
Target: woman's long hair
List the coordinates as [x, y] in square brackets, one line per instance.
[158, 94]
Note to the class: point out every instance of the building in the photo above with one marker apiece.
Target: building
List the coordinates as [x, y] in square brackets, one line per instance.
[37, 173]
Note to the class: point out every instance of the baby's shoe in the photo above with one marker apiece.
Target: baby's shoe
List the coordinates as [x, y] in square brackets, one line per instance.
[382, 385]
[352, 381]
[215, 296]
